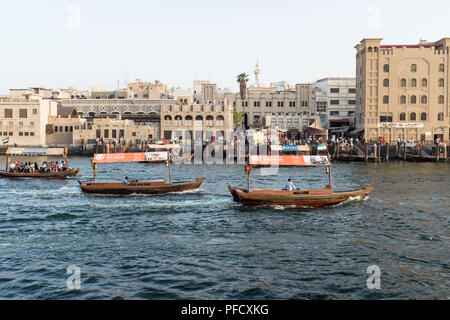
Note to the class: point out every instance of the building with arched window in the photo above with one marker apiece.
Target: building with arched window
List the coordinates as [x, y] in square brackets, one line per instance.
[414, 102]
[196, 121]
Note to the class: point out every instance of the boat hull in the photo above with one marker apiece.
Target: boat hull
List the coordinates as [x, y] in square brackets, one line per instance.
[44, 175]
[159, 187]
[306, 198]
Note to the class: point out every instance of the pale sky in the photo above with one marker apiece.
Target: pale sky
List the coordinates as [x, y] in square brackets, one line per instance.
[79, 43]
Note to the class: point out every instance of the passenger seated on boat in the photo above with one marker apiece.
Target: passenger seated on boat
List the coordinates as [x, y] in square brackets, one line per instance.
[125, 181]
[12, 167]
[36, 166]
[290, 186]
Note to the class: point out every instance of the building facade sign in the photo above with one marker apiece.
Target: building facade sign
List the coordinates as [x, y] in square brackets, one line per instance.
[399, 125]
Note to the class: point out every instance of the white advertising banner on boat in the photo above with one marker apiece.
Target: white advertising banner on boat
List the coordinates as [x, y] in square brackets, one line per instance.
[399, 125]
[156, 156]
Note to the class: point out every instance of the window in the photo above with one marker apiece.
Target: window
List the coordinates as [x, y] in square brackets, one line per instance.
[106, 133]
[22, 113]
[412, 116]
[386, 68]
[423, 116]
[256, 103]
[56, 128]
[8, 113]
[280, 121]
[441, 99]
[335, 102]
[11, 134]
[413, 99]
[351, 113]
[424, 99]
[133, 134]
[413, 82]
[403, 83]
[386, 83]
[386, 118]
[31, 123]
[291, 103]
[351, 101]
[26, 134]
[268, 104]
[334, 113]
[424, 82]
[441, 116]
[71, 129]
[280, 103]
[34, 111]
[273, 121]
[414, 68]
[403, 99]
[334, 90]
[32, 134]
[386, 99]
[289, 122]
[441, 82]
[66, 129]
[20, 134]
[441, 67]
[352, 90]
[114, 133]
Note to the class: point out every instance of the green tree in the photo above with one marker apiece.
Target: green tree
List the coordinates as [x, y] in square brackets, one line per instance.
[242, 79]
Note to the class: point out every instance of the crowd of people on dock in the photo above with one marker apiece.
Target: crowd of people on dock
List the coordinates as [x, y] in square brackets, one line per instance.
[35, 167]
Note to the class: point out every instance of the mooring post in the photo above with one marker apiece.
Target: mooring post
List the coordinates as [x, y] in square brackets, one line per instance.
[437, 152]
[404, 150]
[366, 150]
[387, 151]
[375, 152]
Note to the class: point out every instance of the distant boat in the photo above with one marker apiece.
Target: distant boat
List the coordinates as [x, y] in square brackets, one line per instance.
[296, 198]
[153, 155]
[135, 187]
[38, 153]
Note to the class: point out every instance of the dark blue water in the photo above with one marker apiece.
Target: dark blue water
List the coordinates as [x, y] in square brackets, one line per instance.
[203, 245]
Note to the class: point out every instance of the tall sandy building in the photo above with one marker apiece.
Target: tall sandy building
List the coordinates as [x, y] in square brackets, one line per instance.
[403, 90]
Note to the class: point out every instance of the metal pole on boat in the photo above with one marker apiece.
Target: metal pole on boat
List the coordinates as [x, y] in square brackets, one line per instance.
[168, 164]
[94, 171]
[7, 162]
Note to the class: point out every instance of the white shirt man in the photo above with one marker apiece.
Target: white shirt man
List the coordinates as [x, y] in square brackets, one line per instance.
[290, 186]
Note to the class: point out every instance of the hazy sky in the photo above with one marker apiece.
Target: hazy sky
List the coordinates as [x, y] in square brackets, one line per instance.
[81, 43]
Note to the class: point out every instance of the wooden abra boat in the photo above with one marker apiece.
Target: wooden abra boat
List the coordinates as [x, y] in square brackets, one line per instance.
[302, 198]
[38, 153]
[296, 198]
[48, 175]
[139, 187]
[135, 187]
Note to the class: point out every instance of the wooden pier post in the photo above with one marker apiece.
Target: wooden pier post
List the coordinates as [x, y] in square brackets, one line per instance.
[375, 152]
[366, 150]
[438, 153]
[404, 150]
[387, 152]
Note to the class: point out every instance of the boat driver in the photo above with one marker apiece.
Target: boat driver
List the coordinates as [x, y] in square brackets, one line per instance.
[290, 186]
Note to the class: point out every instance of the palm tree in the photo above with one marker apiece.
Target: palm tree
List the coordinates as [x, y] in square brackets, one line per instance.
[242, 79]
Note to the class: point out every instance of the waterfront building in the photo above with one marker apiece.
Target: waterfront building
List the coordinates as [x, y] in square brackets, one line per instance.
[335, 100]
[64, 130]
[195, 120]
[403, 90]
[24, 118]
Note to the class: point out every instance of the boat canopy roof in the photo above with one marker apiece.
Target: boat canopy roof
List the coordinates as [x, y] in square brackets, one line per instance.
[164, 146]
[130, 157]
[12, 151]
[290, 148]
[289, 160]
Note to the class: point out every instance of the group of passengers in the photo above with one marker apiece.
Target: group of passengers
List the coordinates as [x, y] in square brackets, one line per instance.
[29, 167]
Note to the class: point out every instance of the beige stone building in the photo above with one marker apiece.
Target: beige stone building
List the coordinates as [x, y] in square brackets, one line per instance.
[24, 119]
[78, 131]
[403, 90]
[195, 120]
